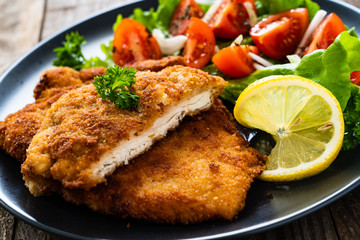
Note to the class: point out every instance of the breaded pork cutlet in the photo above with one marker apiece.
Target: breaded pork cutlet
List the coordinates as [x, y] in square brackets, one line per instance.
[62, 77]
[201, 171]
[18, 129]
[84, 138]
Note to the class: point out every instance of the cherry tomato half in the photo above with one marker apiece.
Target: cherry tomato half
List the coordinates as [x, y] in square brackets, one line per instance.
[325, 34]
[235, 61]
[200, 45]
[182, 14]
[133, 42]
[278, 35]
[355, 77]
[231, 19]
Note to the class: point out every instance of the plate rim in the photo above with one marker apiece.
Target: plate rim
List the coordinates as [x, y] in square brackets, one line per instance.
[258, 228]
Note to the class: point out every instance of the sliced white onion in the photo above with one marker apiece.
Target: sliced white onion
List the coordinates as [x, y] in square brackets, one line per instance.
[210, 13]
[251, 13]
[260, 60]
[258, 66]
[238, 40]
[216, 49]
[170, 45]
[205, 2]
[293, 58]
[319, 16]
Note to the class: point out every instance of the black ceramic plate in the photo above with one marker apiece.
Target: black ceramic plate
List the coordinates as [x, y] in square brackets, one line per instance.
[290, 200]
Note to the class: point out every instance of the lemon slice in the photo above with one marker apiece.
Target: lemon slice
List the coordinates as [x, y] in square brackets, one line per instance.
[304, 118]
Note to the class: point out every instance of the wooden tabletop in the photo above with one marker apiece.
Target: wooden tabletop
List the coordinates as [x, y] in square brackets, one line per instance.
[23, 23]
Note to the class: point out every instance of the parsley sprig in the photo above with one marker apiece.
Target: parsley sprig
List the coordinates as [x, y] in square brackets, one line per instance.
[351, 119]
[70, 53]
[116, 85]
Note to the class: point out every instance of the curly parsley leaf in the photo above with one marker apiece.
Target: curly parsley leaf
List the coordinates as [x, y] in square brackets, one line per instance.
[116, 85]
[352, 119]
[70, 53]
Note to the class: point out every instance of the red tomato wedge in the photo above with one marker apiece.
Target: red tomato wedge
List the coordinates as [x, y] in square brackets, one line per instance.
[278, 35]
[231, 19]
[200, 45]
[325, 34]
[235, 61]
[355, 77]
[133, 42]
[182, 14]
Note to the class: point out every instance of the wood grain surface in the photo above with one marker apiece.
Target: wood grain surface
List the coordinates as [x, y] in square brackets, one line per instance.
[23, 23]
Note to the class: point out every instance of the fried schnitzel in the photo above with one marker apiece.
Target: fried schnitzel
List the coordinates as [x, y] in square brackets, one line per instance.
[84, 138]
[18, 129]
[201, 171]
[61, 77]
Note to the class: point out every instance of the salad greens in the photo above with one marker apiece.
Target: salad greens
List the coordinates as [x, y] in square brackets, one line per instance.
[98, 62]
[115, 86]
[331, 68]
[268, 7]
[160, 18]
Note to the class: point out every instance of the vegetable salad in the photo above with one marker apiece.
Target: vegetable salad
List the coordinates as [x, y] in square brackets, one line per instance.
[242, 41]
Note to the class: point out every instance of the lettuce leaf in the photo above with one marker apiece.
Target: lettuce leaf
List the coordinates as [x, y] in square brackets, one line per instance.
[118, 20]
[268, 7]
[332, 67]
[235, 87]
[160, 18]
[97, 61]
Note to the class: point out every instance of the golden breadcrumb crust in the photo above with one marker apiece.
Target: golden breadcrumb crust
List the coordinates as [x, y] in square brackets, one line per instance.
[60, 77]
[201, 171]
[80, 127]
[18, 129]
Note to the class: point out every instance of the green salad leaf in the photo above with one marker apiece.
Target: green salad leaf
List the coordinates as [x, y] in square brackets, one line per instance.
[332, 67]
[116, 85]
[118, 20]
[97, 61]
[235, 87]
[352, 31]
[160, 18]
[268, 7]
